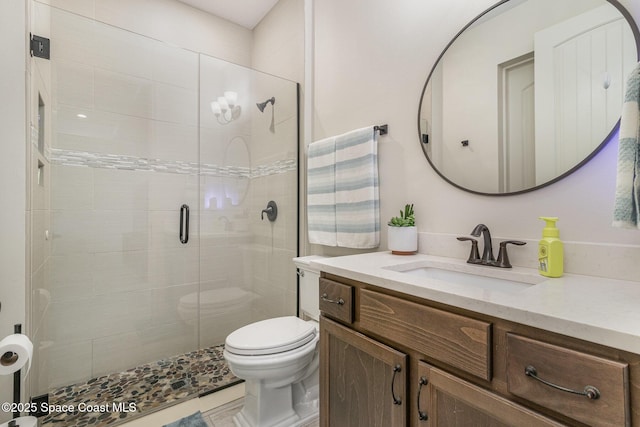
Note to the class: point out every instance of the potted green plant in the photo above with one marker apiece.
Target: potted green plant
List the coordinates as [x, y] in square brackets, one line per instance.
[402, 233]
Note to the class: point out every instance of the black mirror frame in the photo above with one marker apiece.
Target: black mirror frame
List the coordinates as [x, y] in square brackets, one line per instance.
[636, 34]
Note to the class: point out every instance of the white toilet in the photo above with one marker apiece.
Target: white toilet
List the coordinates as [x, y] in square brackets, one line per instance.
[225, 308]
[278, 359]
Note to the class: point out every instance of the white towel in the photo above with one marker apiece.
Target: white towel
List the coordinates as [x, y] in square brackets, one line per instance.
[357, 192]
[626, 211]
[321, 192]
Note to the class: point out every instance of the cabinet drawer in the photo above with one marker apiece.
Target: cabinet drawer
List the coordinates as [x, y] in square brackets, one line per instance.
[336, 300]
[448, 401]
[457, 340]
[530, 362]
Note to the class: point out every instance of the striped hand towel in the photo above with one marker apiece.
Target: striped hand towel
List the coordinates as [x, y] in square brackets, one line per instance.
[626, 211]
[321, 192]
[357, 195]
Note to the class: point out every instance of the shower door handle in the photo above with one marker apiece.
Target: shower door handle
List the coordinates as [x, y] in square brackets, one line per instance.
[184, 224]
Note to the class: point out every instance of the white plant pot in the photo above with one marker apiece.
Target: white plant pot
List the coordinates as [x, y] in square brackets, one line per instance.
[402, 240]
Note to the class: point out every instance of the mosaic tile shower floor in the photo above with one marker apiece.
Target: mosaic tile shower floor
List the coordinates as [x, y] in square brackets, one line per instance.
[150, 387]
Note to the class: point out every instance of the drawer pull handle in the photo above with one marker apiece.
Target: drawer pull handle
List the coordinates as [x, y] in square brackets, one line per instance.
[325, 298]
[590, 392]
[422, 415]
[396, 400]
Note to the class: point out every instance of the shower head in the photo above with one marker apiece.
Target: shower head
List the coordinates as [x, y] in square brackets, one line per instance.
[261, 105]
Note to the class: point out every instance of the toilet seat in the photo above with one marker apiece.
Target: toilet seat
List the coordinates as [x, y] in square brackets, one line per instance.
[270, 336]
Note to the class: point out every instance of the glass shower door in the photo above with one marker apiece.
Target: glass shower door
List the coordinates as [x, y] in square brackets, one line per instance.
[248, 158]
[135, 143]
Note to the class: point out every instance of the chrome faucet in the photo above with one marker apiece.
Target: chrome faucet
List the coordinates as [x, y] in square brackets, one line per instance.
[487, 251]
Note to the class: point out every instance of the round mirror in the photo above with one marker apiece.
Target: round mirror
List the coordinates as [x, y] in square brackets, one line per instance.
[238, 164]
[526, 93]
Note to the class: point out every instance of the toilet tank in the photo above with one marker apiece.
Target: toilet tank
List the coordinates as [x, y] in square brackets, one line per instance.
[309, 288]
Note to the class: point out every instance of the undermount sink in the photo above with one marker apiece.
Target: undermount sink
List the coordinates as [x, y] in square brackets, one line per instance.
[474, 277]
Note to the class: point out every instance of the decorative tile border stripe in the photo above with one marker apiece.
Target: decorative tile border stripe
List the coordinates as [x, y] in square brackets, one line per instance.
[279, 166]
[133, 163]
[122, 162]
[215, 170]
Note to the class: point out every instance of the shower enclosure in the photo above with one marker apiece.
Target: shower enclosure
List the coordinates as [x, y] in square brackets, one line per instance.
[157, 166]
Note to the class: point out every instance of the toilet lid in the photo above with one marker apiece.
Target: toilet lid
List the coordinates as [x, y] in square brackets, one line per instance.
[270, 336]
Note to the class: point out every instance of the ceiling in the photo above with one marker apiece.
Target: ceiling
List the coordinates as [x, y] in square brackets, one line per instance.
[242, 12]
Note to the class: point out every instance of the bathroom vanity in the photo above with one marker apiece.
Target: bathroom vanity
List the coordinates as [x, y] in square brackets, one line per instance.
[428, 341]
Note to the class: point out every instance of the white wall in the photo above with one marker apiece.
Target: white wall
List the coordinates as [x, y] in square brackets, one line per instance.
[13, 184]
[371, 62]
[278, 41]
[169, 21]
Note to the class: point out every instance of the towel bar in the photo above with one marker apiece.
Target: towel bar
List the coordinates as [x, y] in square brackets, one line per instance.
[383, 129]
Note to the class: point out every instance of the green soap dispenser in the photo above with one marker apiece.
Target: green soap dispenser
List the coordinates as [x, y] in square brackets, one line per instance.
[550, 251]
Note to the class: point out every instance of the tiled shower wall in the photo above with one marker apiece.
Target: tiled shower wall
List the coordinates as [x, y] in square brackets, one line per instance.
[128, 149]
[275, 244]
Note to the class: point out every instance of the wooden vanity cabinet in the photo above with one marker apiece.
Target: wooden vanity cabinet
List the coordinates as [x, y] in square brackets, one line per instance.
[461, 341]
[591, 389]
[363, 381]
[390, 359]
[447, 400]
[336, 300]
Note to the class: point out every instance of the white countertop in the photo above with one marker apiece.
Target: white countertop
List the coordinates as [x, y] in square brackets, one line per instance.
[600, 310]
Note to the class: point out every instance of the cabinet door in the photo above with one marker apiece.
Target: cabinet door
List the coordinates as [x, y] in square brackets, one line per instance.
[362, 382]
[448, 401]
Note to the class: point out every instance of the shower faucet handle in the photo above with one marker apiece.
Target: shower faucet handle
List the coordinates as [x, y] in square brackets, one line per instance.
[271, 210]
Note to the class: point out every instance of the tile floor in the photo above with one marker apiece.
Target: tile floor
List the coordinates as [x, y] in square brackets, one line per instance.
[203, 404]
[217, 409]
[223, 415]
[150, 387]
[164, 391]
